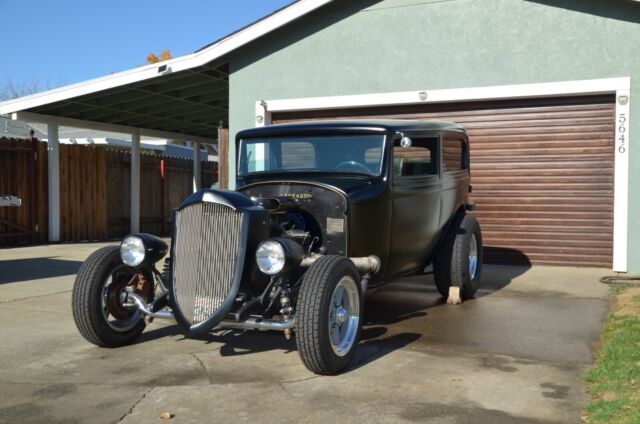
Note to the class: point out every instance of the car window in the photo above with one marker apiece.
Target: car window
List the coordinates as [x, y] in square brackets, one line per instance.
[357, 153]
[298, 155]
[453, 155]
[416, 160]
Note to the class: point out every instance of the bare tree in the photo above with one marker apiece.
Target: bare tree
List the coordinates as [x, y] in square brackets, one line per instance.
[11, 90]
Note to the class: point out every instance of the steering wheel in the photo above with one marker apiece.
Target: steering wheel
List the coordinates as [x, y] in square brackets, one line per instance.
[352, 164]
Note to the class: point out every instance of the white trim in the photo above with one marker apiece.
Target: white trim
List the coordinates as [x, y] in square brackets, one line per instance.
[618, 86]
[500, 92]
[190, 61]
[135, 182]
[621, 181]
[197, 167]
[53, 170]
[101, 126]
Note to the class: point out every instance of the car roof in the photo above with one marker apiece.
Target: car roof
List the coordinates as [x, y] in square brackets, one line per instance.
[374, 125]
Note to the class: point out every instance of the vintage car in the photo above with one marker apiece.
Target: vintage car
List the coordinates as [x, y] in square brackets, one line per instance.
[323, 212]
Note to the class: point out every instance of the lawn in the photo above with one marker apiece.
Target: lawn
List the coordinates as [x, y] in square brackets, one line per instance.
[614, 380]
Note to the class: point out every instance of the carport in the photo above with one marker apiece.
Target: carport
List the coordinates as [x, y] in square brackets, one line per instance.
[185, 99]
[189, 105]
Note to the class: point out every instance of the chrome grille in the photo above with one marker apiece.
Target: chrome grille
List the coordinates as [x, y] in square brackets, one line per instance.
[205, 252]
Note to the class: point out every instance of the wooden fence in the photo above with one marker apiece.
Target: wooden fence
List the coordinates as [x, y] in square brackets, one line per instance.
[23, 173]
[95, 199]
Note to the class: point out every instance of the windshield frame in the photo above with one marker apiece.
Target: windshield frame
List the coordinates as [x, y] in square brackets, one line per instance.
[315, 171]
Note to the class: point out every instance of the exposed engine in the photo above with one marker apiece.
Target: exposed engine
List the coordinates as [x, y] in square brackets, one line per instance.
[299, 226]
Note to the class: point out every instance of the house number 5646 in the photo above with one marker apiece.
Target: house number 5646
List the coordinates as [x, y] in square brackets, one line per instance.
[622, 131]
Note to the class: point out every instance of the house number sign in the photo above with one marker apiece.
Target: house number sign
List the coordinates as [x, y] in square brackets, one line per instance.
[622, 132]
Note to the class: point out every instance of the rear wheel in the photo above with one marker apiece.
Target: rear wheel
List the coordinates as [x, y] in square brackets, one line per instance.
[459, 261]
[97, 299]
[329, 315]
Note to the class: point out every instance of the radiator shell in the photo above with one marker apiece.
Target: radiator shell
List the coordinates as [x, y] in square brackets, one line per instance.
[215, 234]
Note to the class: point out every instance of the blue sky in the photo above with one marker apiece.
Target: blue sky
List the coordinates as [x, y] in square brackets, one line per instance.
[65, 41]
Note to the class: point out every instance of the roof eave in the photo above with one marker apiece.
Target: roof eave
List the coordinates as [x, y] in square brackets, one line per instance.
[182, 63]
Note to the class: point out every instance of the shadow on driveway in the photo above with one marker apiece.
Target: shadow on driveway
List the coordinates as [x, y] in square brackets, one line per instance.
[386, 312]
[17, 270]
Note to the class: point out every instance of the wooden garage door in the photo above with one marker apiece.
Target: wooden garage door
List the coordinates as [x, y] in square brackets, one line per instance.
[542, 173]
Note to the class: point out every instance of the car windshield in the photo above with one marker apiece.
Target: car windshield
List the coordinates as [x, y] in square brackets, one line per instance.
[336, 153]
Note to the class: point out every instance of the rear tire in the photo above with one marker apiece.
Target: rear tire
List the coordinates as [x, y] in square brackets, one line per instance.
[458, 263]
[88, 301]
[329, 315]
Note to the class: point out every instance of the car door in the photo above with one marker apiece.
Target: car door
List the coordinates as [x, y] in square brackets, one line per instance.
[454, 172]
[416, 185]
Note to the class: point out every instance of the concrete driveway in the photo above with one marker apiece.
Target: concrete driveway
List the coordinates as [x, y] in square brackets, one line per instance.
[516, 353]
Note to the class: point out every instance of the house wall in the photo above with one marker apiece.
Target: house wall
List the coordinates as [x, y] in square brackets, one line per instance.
[363, 46]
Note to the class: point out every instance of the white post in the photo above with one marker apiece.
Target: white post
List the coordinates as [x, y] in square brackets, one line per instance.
[135, 182]
[53, 153]
[197, 167]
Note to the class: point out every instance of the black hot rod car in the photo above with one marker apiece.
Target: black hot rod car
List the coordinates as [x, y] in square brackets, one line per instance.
[323, 212]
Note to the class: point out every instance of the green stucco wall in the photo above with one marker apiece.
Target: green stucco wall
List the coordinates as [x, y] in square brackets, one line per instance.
[359, 46]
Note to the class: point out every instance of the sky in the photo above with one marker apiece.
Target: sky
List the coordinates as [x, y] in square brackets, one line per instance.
[66, 41]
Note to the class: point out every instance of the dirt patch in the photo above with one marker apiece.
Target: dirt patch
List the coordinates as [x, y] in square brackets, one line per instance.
[627, 302]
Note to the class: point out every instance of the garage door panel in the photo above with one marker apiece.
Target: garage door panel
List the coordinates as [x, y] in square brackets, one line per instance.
[543, 137]
[549, 129]
[560, 171]
[541, 144]
[519, 120]
[512, 256]
[559, 164]
[535, 247]
[604, 197]
[541, 169]
[488, 201]
[542, 208]
[558, 222]
[552, 237]
[567, 188]
[509, 213]
[534, 123]
[560, 152]
[558, 245]
[577, 106]
[514, 179]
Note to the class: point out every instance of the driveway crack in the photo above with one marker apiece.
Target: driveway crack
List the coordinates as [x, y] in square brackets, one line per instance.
[299, 380]
[204, 368]
[34, 297]
[144, 395]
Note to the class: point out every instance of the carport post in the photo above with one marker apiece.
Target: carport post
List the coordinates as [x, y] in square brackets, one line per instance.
[53, 156]
[197, 167]
[135, 182]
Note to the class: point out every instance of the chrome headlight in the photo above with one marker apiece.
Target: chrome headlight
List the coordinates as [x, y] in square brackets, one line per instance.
[270, 257]
[132, 250]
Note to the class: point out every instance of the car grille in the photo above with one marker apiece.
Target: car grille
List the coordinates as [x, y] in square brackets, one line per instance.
[205, 253]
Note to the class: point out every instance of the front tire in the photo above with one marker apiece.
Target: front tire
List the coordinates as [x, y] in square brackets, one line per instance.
[95, 303]
[329, 315]
[459, 261]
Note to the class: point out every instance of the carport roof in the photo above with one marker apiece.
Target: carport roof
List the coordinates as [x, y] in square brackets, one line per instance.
[185, 97]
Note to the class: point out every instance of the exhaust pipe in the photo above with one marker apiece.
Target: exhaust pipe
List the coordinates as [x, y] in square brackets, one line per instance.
[364, 264]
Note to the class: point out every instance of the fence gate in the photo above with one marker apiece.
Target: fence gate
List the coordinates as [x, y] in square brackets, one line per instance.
[18, 177]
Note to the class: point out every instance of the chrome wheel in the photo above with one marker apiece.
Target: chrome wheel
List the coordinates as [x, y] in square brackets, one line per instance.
[473, 257]
[344, 316]
[116, 316]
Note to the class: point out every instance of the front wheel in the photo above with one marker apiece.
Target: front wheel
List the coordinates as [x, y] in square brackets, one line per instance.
[329, 315]
[96, 300]
[459, 261]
